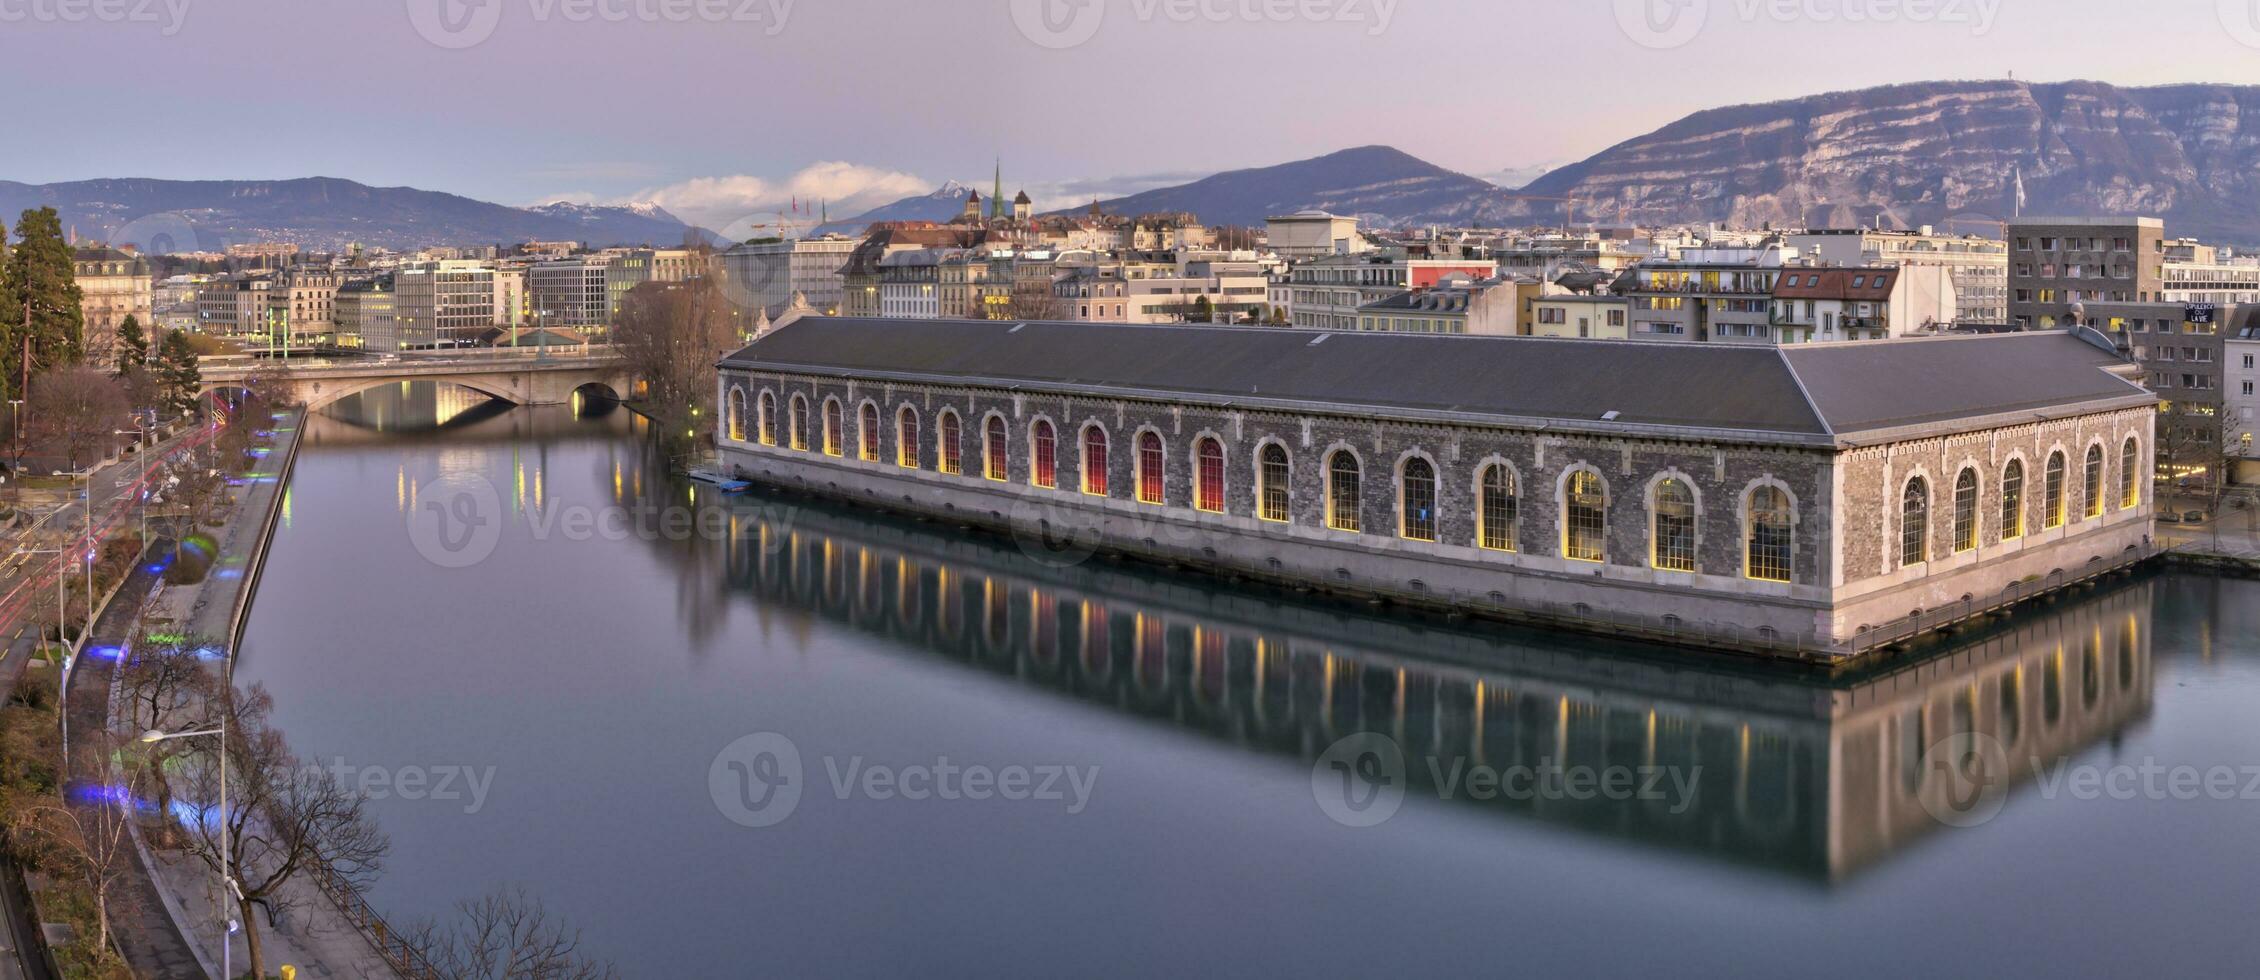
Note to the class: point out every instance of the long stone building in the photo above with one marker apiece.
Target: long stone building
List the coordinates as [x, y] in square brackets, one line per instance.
[1821, 499]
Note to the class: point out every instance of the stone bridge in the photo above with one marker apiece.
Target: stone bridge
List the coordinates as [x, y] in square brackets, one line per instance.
[520, 376]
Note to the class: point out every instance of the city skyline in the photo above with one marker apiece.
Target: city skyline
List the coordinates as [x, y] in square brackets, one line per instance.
[573, 99]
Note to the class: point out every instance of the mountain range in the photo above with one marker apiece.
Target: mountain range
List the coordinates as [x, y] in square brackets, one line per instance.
[1904, 155]
[320, 214]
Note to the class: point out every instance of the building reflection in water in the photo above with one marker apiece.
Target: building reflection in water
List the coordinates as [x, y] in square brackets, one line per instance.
[1817, 777]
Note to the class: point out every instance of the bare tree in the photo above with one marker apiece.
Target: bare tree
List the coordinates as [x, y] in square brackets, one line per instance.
[164, 676]
[506, 935]
[284, 821]
[671, 335]
[76, 411]
[88, 840]
[1034, 299]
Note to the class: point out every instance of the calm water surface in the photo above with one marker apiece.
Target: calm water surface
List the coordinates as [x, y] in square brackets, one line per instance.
[598, 675]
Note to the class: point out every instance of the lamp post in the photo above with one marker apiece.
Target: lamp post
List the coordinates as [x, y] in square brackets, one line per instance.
[228, 887]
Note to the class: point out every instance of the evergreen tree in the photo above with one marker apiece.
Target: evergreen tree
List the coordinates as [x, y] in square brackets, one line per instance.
[133, 346]
[40, 290]
[176, 372]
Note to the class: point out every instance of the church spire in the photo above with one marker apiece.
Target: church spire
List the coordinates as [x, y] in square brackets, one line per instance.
[996, 192]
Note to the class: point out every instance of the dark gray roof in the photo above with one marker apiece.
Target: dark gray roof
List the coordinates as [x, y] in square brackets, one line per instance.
[1761, 392]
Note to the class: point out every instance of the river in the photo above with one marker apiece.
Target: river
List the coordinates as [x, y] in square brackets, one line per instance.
[969, 760]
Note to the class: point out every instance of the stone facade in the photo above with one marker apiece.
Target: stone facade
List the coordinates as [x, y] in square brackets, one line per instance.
[1846, 584]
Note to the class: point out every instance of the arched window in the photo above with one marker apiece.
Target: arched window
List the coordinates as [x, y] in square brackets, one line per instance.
[1152, 466]
[1043, 459]
[1495, 510]
[1208, 476]
[907, 439]
[867, 434]
[1094, 461]
[834, 439]
[1416, 500]
[1772, 530]
[1914, 523]
[2130, 463]
[1674, 545]
[996, 454]
[1274, 476]
[2053, 502]
[2013, 500]
[1342, 496]
[1585, 517]
[2092, 484]
[767, 409]
[797, 426]
[737, 414]
[1966, 511]
[952, 444]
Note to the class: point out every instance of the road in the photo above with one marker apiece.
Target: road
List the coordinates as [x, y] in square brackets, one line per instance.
[116, 491]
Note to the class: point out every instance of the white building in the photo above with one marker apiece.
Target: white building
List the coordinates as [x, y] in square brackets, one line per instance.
[910, 283]
[1979, 266]
[766, 274]
[570, 293]
[1308, 234]
[437, 304]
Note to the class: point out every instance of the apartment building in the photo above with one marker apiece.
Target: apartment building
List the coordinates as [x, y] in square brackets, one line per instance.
[1325, 293]
[1979, 266]
[113, 285]
[1547, 257]
[2195, 272]
[234, 307]
[1585, 315]
[910, 283]
[1721, 295]
[440, 304]
[2241, 362]
[1311, 234]
[2181, 350]
[1110, 292]
[572, 293]
[632, 267]
[1815, 304]
[1457, 305]
[767, 273]
[366, 315]
[2060, 265]
[301, 306]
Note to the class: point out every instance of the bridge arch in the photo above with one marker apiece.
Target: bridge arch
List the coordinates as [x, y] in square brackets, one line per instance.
[318, 394]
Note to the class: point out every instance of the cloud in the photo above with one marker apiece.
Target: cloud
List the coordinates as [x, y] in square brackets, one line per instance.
[738, 202]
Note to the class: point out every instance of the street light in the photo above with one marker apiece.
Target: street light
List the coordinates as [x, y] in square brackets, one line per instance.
[227, 884]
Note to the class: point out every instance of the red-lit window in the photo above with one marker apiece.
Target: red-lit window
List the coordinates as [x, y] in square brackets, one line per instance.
[1043, 462]
[1151, 465]
[953, 445]
[1094, 461]
[832, 426]
[996, 459]
[906, 439]
[1210, 494]
[867, 435]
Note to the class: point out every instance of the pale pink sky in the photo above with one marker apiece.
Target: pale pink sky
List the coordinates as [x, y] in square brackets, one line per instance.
[719, 106]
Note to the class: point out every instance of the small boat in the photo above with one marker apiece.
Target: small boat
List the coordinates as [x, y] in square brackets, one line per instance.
[721, 481]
